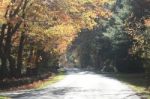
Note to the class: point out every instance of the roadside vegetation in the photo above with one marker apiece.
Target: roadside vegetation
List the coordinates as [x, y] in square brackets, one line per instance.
[31, 83]
[1, 97]
[138, 82]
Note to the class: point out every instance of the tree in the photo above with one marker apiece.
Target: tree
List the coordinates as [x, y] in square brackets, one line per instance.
[14, 16]
[138, 28]
[48, 26]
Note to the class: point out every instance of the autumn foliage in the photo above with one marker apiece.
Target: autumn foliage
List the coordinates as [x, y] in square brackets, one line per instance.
[34, 33]
[38, 36]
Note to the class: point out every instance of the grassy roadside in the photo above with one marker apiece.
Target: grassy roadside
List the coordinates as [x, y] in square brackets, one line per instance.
[38, 84]
[141, 91]
[30, 83]
[2, 97]
[137, 82]
[49, 81]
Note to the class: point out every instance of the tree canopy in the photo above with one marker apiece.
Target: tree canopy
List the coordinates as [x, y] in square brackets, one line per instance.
[40, 35]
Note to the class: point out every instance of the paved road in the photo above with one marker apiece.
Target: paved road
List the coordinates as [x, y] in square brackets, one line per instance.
[80, 85]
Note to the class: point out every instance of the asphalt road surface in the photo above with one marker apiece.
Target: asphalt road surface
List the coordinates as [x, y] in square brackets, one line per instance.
[79, 85]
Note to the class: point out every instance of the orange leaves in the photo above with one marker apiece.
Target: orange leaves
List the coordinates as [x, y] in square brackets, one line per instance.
[54, 23]
[82, 12]
[69, 17]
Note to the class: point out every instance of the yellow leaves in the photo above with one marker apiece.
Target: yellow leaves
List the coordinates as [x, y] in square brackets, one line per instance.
[88, 18]
[83, 12]
[37, 33]
[62, 36]
[62, 29]
[70, 17]
[3, 7]
[64, 19]
[104, 1]
[89, 14]
[104, 13]
[57, 37]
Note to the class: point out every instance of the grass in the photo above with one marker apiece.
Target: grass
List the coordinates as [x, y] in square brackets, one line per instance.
[137, 82]
[50, 81]
[2, 97]
[41, 84]
[33, 84]
[140, 90]
[44, 83]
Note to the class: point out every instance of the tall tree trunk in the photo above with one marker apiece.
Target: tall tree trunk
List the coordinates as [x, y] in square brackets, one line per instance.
[2, 35]
[8, 47]
[3, 68]
[30, 54]
[12, 66]
[6, 53]
[20, 53]
[38, 52]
